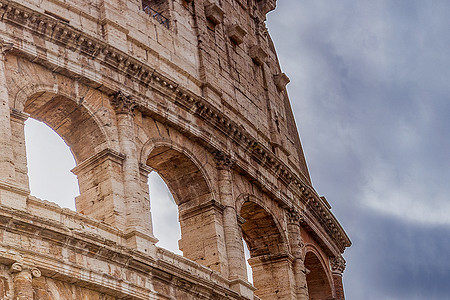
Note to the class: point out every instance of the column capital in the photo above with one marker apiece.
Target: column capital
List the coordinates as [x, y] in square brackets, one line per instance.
[4, 47]
[337, 264]
[122, 104]
[294, 216]
[18, 268]
[223, 160]
[145, 169]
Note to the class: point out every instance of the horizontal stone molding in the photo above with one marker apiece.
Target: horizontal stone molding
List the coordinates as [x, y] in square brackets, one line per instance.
[258, 260]
[19, 115]
[14, 188]
[94, 160]
[199, 209]
[97, 250]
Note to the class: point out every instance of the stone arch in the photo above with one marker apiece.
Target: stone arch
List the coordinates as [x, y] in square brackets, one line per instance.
[258, 218]
[318, 277]
[178, 166]
[98, 167]
[74, 122]
[270, 261]
[200, 215]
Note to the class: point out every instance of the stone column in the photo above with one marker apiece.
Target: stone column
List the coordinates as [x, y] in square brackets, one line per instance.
[296, 245]
[22, 281]
[202, 235]
[101, 190]
[11, 193]
[273, 276]
[237, 272]
[337, 268]
[6, 152]
[18, 119]
[138, 228]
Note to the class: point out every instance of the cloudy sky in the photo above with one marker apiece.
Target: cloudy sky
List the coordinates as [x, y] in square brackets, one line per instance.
[370, 89]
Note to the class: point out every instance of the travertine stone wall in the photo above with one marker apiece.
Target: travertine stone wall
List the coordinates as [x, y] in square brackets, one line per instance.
[190, 89]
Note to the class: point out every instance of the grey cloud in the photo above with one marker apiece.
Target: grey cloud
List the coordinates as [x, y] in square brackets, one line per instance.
[370, 91]
[395, 259]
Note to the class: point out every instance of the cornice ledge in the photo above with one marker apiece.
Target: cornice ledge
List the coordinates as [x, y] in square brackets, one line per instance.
[14, 188]
[101, 156]
[310, 223]
[193, 211]
[328, 221]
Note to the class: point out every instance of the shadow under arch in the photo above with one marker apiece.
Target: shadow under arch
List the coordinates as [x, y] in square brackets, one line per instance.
[260, 231]
[317, 278]
[183, 177]
[268, 249]
[73, 122]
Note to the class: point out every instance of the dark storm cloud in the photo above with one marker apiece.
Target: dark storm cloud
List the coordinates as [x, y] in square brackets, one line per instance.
[370, 88]
[398, 260]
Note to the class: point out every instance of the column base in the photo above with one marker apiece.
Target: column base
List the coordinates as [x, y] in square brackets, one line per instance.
[140, 240]
[243, 287]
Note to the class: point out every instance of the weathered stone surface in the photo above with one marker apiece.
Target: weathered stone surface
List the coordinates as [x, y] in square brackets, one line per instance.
[191, 90]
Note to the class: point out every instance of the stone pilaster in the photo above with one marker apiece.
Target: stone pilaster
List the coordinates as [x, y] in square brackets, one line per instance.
[202, 235]
[273, 276]
[23, 281]
[237, 272]
[337, 265]
[11, 193]
[101, 190]
[138, 228]
[6, 151]
[18, 119]
[296, 245]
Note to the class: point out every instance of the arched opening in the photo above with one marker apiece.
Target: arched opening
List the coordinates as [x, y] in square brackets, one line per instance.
[70, 120]
[271, 268]
[184, 179]
[97, 170]
[260, 231]
[199, 216]
[166, 227]
[318, 284]
[49, 164]
[247, 265]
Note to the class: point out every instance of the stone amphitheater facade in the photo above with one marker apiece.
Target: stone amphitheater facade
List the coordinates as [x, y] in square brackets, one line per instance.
[191, 89]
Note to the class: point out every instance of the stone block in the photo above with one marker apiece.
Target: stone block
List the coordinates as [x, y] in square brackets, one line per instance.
[214, 13]
[257, 54]
[281, 80]
[236, 33]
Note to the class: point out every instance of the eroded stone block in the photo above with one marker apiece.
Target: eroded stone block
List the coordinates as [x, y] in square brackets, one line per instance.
[236, 33]
[258, 54]
[214, 13]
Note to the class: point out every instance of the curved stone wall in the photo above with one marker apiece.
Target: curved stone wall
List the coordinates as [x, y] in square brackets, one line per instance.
[190, 89]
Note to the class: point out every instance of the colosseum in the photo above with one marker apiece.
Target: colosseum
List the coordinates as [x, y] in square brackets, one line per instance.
[190, 89]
